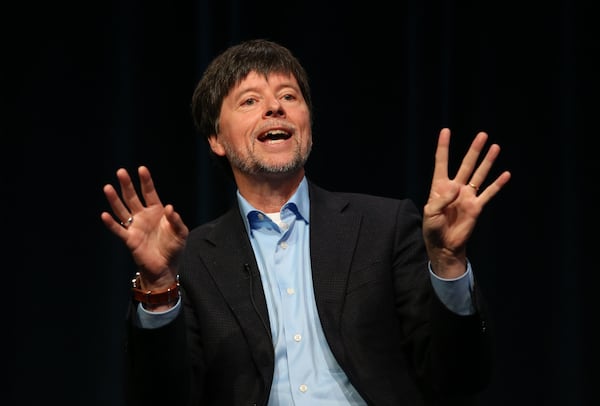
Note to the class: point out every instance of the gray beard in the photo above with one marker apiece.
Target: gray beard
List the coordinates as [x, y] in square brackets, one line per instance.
[252, 166]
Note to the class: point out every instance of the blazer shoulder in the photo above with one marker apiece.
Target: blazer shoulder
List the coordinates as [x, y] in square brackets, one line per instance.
[357, 200]
[227, 221]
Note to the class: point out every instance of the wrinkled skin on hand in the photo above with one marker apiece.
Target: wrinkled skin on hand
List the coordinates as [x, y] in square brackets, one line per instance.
[454, 205]
[157, 234]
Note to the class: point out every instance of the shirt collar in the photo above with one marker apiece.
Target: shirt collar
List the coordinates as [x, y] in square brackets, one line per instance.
[299, 203]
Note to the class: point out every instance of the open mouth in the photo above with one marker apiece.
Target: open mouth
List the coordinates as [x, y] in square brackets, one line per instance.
[274, 135]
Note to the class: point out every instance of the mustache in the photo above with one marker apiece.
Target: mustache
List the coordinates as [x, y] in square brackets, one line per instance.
[275, 124]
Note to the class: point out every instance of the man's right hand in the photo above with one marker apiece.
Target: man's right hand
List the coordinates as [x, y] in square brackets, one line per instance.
[155, 234]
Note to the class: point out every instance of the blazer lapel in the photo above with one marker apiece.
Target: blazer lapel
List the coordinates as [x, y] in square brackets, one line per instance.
[232, 265]
[333, 238]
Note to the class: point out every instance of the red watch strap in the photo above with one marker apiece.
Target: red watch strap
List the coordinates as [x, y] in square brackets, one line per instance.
[155, 297]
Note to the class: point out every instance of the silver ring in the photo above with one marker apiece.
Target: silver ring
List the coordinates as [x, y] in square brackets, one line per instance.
[128, 222]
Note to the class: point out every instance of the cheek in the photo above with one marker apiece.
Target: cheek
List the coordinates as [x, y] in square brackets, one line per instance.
[302, 120]
[307, 134]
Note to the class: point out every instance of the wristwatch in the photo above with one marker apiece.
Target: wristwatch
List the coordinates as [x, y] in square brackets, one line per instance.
[153, 298]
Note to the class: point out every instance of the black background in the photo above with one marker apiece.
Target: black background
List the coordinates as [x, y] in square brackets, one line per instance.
[94, 86]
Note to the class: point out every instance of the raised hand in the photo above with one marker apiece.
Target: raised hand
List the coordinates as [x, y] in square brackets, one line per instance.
[155, 234]
[454, 205]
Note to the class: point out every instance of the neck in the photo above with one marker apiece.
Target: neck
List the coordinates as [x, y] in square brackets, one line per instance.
[268, 193]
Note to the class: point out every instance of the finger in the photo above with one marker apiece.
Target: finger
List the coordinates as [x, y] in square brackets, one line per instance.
[491, 190]
[469, 161]
[128, 192]
[484, 168]
[440, 170]
[113, 226]
[176, 222]
[147, 187]
[119, 209]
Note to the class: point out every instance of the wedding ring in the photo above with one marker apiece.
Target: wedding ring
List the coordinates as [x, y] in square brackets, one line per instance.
[128, 222]
[473, 186]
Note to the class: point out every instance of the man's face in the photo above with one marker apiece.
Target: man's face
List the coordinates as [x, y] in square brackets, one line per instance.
[264, 126]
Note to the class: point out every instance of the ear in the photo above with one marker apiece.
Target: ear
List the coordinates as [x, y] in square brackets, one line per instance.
[215, 145]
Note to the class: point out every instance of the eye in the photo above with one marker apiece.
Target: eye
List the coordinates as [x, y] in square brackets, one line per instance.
[289, 97]
[249, 102]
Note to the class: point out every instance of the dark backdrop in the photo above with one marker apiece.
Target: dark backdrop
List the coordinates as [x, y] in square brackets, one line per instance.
[94, 86]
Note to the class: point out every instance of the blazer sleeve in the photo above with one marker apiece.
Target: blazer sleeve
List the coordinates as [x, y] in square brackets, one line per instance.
[156, 366]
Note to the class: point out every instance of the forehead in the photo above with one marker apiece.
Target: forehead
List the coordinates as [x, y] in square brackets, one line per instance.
[254, 79]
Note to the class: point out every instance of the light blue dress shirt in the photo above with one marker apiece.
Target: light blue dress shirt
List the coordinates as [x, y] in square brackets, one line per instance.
[306, 373]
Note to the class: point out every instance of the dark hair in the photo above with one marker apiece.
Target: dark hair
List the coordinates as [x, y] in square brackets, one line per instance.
[230, 67]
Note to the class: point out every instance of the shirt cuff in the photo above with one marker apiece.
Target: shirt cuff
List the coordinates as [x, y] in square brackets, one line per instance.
[455, 293]
[151, 320]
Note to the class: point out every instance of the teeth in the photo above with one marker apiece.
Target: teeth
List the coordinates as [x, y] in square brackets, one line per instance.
[277, 132]
[274, 135]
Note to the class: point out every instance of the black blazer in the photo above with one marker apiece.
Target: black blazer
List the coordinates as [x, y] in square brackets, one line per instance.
[396, 342]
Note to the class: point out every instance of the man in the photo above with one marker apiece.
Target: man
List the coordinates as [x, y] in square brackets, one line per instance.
[298, 295]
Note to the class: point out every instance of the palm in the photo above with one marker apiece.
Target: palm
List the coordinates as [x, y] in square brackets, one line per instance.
[454, 205]
[157, 234]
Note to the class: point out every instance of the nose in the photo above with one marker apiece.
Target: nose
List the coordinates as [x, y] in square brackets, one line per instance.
[275, 109]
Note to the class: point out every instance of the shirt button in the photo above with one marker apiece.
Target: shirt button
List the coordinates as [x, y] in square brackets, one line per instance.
[284, 226]
[283, 244]
[297, 338]
[303, 388]
[261, 216]
[290, 291]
